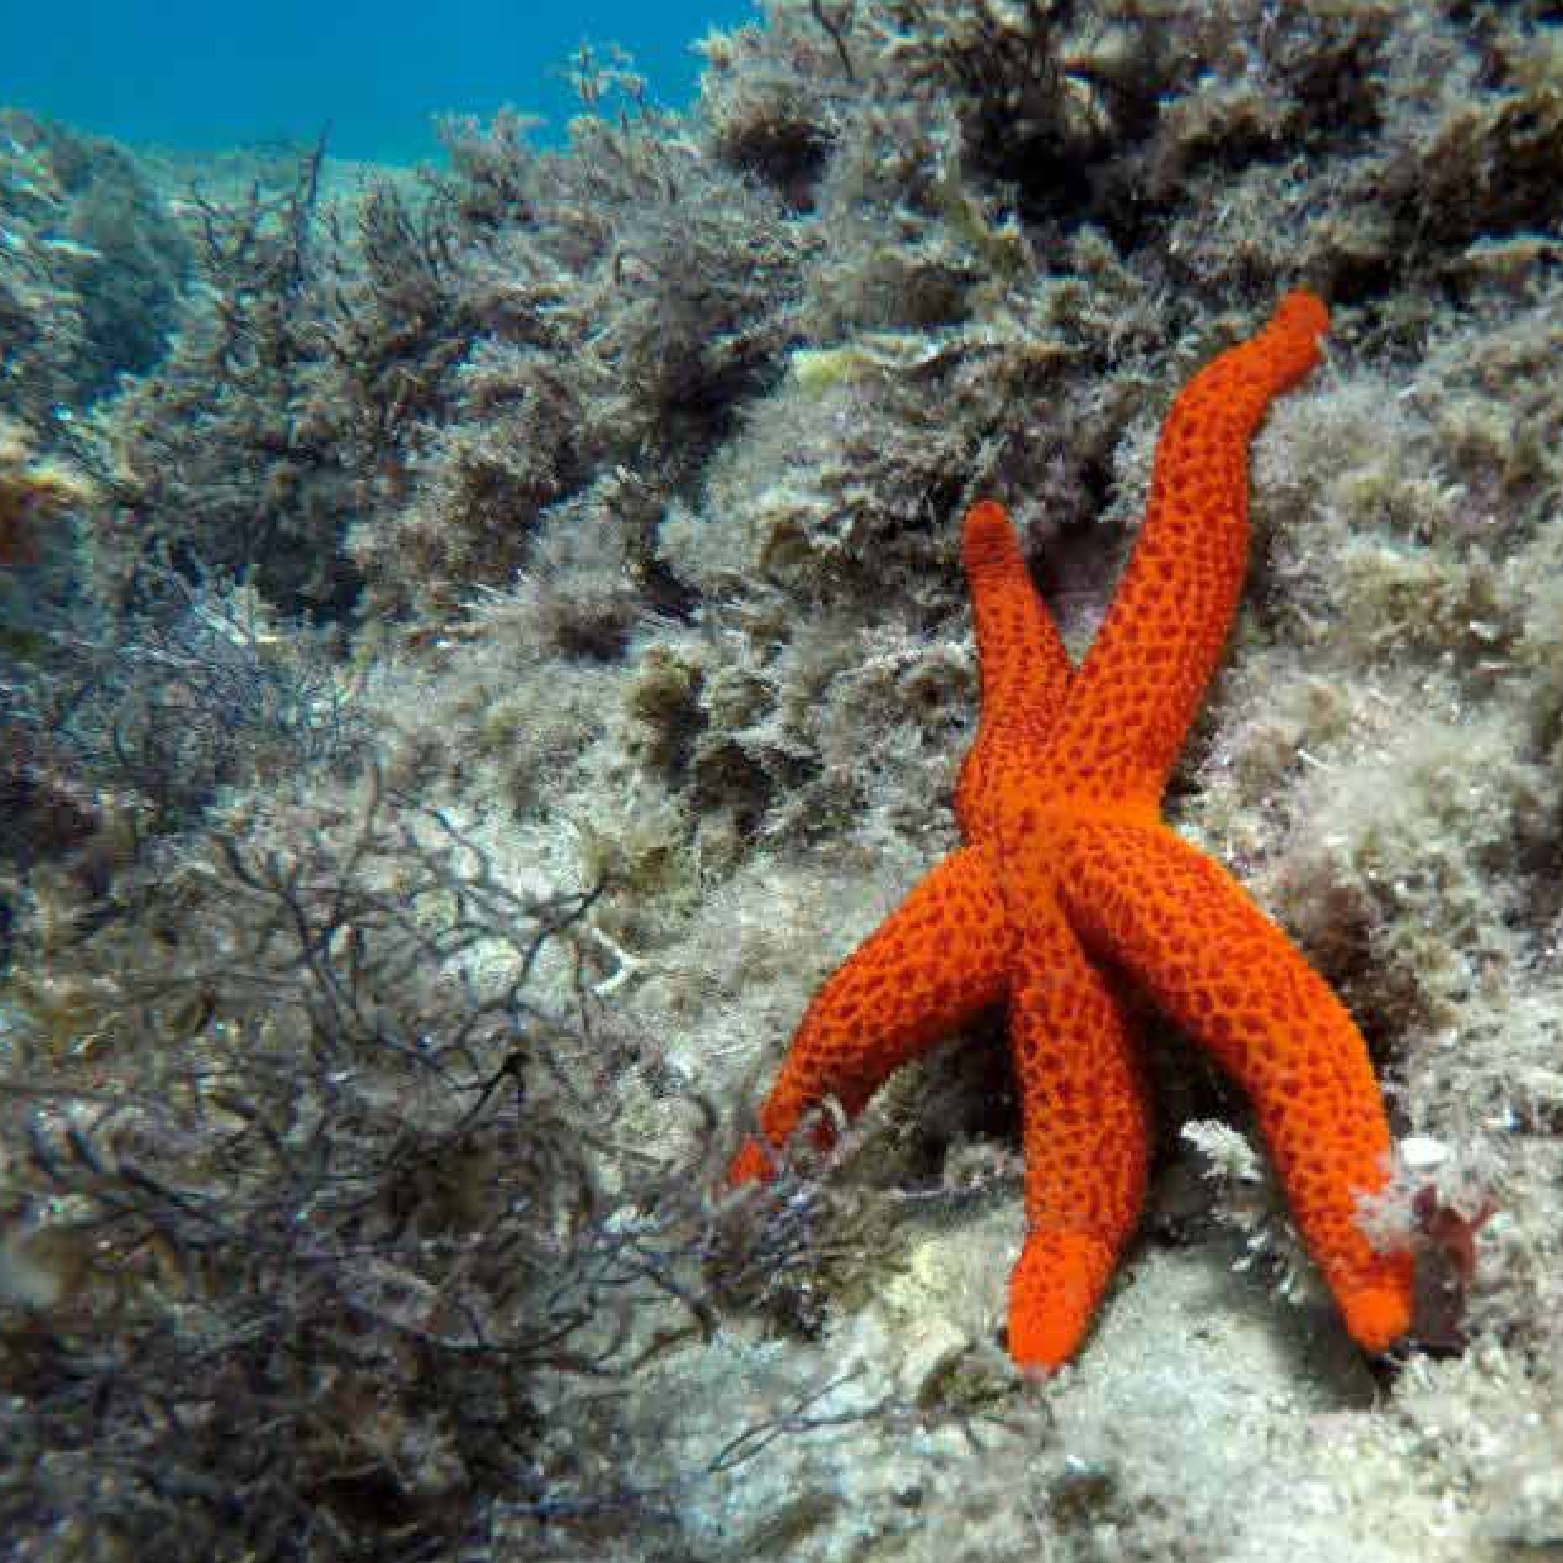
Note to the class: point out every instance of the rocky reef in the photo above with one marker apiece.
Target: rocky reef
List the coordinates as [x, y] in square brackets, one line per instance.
[479, 646]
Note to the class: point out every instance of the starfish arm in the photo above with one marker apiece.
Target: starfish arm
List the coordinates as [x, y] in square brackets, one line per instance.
[1140, 685]
[1025, 668]
[1019, 648]
[1181, 926]
[1085, 1131]
[938, 961]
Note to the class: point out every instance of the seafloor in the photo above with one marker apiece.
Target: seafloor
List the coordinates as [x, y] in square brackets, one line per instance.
[476, 649]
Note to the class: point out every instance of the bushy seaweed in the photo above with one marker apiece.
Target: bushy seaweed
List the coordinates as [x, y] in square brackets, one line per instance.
[307, 1200]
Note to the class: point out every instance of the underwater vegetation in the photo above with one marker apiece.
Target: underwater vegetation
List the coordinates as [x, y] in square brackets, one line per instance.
[478, 646]
[91, 268]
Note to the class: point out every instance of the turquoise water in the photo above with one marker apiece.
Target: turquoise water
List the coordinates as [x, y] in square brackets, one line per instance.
[192, 74]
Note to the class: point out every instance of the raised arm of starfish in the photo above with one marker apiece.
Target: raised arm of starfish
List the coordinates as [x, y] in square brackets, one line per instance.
[1070, 889]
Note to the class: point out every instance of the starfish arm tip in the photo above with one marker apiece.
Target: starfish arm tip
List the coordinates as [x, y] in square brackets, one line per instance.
[754, 1163]
[1378, 1314]
[1302, 311]
[1053, 1292]
[987, 536]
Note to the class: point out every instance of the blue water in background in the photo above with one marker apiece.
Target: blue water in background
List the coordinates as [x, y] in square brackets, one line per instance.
[202, 74]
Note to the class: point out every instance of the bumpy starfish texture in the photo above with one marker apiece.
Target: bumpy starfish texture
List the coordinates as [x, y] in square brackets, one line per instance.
[1070, 893]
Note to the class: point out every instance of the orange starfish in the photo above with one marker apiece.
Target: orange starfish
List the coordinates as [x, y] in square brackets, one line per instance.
[1070, 889]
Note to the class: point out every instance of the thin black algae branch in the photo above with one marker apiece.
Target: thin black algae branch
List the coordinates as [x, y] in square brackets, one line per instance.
[266, 234]
[394, 327]
[198, 687]
[805, 1416]
[256, 254]
[235, 454]
[837, 24]
[304, 1250]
